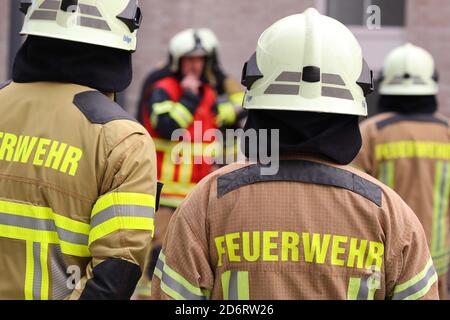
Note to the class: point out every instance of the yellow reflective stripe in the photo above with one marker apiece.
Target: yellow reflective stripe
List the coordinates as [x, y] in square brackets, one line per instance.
[386, 173]
[225, 281]
[181, 280]
[412, 149]
[29, 271]
[176, 110]
[172, 202]
[194, 148]
[226, 114]
[181, 115]
[373, 285]
[154, 120]
[167, 168]
[353, 288]
[73, 249]
[178, 188]
[444, 211]
[237, 98]
[441, 261]
[162, 107]
[185, 173]
[30, 211]
[120, 223]
[425, 290]
[176, 284]
[165, 288]
[436, 245]
[417, 286]
[179, 119]
[414, 279]
[362, 288]
[37, 280]
[26, 234]
[382, 172]
[123, 198]
[235, 285]
[45, 280]
[243, 285]
[42, 236]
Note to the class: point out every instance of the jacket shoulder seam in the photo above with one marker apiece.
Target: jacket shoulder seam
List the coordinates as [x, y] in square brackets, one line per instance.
[301, 171]
[98, 108]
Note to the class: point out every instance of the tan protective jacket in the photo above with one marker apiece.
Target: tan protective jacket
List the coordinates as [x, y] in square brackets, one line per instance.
[314, 230]
[411, 154]
[77, 188]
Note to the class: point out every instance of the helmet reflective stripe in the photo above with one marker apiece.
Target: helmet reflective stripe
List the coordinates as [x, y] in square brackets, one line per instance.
[409, 70]
[99, 22]
[308, 62]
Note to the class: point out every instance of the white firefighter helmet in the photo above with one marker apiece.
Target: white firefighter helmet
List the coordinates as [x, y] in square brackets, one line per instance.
[409, 70]
[192, 42]
[100, 22]
[308, 62]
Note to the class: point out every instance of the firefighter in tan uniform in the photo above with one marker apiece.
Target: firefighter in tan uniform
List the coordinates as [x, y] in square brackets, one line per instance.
[316, 229]
[184, 97]
[407, 146]
[78, 175]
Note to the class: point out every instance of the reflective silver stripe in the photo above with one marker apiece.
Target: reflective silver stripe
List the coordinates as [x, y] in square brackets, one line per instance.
[233, 286]
[175, 285]
[283, 89]
[289, 76]
[160, 265]
[37, 274]
[363, 293]
[122, 211]
[417, 286]
[337, 93]
[72, 237]
[89, 10]
[418, 80]
[50, 5]
[44, 15]
[330, 78]
[43, 225]
[59, 275]
[94, 23]
[27, 222]
[397, 80]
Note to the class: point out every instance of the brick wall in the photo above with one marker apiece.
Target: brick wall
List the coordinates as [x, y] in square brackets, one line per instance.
[428, 25]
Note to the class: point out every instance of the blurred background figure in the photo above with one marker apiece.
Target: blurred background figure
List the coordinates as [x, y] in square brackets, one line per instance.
[229, 92]
[184, 94]
[227, 89]
[407, 146]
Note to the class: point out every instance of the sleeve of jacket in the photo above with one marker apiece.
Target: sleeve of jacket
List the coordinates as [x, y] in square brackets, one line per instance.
[122, 219]
[365, 160]
[229, 109]
[167, 115]
[411, 272]
[183, 271]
